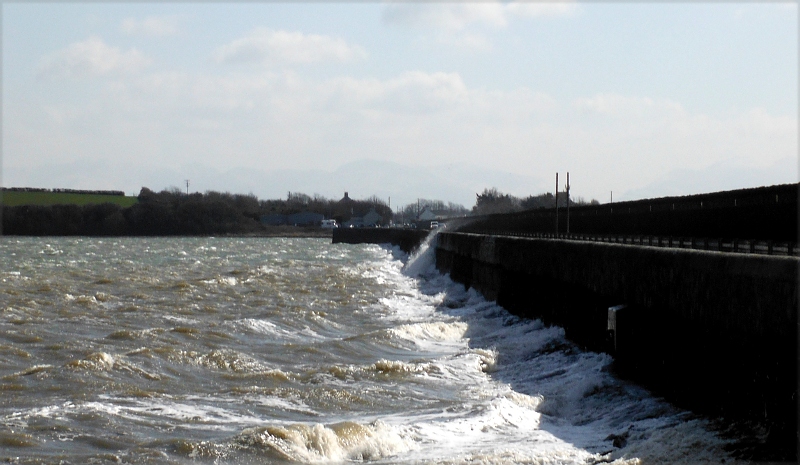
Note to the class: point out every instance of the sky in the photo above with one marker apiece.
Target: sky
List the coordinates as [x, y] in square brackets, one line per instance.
[400, 100]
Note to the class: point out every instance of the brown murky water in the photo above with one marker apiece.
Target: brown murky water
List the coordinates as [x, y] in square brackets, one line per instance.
[222, 350]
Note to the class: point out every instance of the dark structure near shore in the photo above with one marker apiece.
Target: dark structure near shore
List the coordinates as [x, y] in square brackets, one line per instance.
[406, 239]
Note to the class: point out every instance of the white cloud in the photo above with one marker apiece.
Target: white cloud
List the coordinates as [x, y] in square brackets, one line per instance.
[153, 26]
[447, 16]
[458, 16]
[466, 40]
[623, 105]
[644, 138]
[412, 92]
[465, 25]
[761, 11]
[541, 9]
[269, 46]
[92, 57]
[290, 121]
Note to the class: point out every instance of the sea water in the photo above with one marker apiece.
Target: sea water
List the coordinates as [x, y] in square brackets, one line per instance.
[278, 350]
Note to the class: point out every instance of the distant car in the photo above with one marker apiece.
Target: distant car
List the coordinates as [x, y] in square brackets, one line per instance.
[329, 224]
[434, 224]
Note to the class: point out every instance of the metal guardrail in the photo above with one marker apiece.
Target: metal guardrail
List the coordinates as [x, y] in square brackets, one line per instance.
[742, 246]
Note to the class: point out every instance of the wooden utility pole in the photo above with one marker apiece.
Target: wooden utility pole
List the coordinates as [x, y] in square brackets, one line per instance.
[567, 186]
[556, 204]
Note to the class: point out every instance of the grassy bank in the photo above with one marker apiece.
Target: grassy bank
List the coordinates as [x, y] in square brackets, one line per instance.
[14, 198]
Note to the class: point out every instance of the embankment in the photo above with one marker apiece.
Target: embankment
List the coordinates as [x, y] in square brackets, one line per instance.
[714, 332]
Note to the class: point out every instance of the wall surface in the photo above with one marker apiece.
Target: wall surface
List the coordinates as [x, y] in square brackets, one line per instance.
[715, 332]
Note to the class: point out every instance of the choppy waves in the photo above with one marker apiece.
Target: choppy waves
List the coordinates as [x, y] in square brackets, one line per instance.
[203, 350]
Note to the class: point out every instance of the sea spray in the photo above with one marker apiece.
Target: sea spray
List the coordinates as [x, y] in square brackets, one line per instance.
[423, 261]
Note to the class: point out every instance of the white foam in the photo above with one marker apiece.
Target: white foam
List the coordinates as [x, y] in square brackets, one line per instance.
[506, 429]
[435, 331]
[284, 405]
[266, 270]
[222, 280]
[528, 394]
[275, 332]
[50, 250]
[180, 319]
[189, 414]
[313, 443]
[81, 299]
[102, 361]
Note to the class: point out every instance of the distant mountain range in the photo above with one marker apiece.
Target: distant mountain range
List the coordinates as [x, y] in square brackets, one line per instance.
[716, 178]
[404, 184]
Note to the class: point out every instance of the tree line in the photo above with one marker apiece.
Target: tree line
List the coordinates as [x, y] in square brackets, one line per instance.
[173, 212]
[492, 201]
[341, 210]
[439, 207]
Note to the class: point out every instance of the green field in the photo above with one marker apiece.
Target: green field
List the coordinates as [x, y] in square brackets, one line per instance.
[14, 198]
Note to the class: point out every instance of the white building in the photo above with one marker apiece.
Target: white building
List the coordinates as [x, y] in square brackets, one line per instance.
[372, 218]
[426, 214]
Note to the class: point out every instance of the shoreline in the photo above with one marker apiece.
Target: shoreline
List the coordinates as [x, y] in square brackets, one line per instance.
[289, 231]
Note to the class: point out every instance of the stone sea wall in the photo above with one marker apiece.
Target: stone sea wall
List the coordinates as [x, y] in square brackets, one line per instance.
[715, 332]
